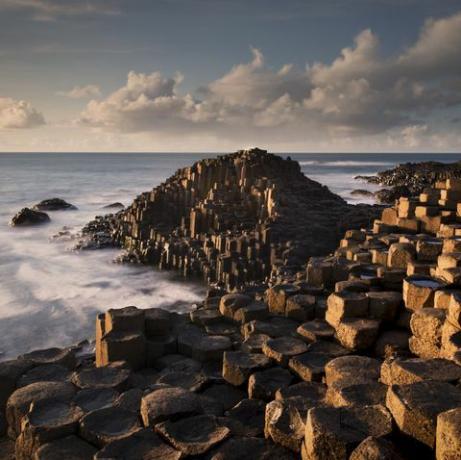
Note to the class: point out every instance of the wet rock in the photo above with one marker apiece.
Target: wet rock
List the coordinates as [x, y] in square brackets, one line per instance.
[193, 435]
[45, 422]
[62, 356]
[102, 377]
[238, 366]
[102, 426]
[415, 407]
[69, 448]
[264, 384]
[19, 402]
[27, 217]
[336, 432]
[10, 372]
[54, 204]
[283, 348]
[169, 404]
[143, 444]
[47, 372]
[115, 205]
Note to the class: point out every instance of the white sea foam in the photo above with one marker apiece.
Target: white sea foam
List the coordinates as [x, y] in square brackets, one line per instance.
[341, 163]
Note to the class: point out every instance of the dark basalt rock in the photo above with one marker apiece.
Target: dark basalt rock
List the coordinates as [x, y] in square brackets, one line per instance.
[362, 192]
[27, 217]
[228, 219]
[116, 205]
[54, 204]
[69, 448]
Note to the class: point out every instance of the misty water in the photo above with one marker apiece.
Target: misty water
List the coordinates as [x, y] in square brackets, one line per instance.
[49, 295]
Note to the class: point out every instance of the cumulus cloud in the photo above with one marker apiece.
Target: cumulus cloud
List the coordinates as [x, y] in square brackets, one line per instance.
[16, 114]
[81, 92]
[361, 92]
[51, 9]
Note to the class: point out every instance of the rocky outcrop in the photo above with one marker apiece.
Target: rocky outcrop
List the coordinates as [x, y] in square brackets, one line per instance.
[233, 220]
[54, 204]
[410, 179]
[27, 217]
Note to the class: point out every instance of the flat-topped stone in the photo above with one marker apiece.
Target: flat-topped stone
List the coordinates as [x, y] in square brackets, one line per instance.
[415, 407]
[69, 448]
[281, 349]
[95, 398]
[238, 366]
[193, 435]
[361, 394]
[226, 395]
[62, 356]
[357, 334]
[231, 303]
[46, 421]
[246, 418]
[143, 444]
[448, 435]
[336, 432]
[310, 366]
[127, 319]
[373, 448]
[169, 403]
[405, 371]
[19, 402]
[102, 426]
[315, 330]
[102, 377]
[47, 372]
[193, 381]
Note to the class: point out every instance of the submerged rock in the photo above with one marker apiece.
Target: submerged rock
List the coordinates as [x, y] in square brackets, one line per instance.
[54, 204]
[27, 217]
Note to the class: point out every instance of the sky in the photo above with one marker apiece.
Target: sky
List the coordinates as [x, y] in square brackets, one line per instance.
[220, 75]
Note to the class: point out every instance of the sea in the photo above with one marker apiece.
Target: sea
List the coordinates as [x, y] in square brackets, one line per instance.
[49, 294]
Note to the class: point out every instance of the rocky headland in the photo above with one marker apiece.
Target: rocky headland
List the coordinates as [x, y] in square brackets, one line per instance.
[353, 353]
[410, 179]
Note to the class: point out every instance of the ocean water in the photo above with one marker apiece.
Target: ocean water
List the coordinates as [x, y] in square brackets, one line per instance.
[49, 295]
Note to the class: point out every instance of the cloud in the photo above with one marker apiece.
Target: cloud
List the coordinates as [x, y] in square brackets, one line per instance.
[52, 9]
[360, 93]
[16, 114]
[81, 92]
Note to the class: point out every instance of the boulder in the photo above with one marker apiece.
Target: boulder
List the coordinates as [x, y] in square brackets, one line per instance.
[54, 204]
[193, 435]
[27, 217]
